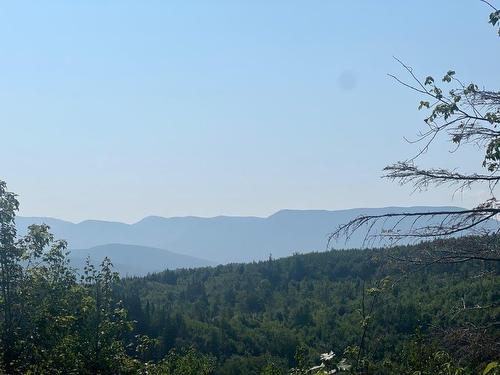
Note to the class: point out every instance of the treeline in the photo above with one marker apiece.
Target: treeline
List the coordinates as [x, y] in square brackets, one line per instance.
[355, 312]
[55, 321]
[253, 316]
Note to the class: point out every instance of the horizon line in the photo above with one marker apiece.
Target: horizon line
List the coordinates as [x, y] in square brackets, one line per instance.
[227, 216]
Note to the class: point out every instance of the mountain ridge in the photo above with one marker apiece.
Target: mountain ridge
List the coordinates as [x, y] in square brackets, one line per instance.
[284, 210]
[222, 239]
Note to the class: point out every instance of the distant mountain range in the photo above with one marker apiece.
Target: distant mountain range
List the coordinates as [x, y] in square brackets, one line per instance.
[180, 242]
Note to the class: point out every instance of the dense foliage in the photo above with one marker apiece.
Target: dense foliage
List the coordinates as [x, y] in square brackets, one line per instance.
[53, 321]
[357, 307]
[254, 316]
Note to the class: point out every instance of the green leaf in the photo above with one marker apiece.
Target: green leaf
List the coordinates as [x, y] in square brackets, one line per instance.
[423, 104]
[494, 17]
[448, 75]
[491, 366]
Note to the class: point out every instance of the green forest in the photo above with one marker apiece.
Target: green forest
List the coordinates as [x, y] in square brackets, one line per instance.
[355, 311]
[421, 297]
[256, 316]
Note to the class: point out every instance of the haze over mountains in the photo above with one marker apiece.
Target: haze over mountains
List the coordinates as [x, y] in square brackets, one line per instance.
[136, 260]
[179, 242]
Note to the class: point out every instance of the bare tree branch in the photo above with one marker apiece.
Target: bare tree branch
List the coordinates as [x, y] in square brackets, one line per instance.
[405, 172]
[453, 222]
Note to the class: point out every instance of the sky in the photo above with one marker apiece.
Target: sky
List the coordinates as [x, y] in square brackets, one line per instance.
[117, 110]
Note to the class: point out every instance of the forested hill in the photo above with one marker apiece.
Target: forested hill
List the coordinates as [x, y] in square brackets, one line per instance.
[134, 260]
[250, 316]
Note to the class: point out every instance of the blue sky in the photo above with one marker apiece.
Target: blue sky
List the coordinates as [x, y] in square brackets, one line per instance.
[118, 110]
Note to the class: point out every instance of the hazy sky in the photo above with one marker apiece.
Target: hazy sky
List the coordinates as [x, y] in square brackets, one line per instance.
[118, 110]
